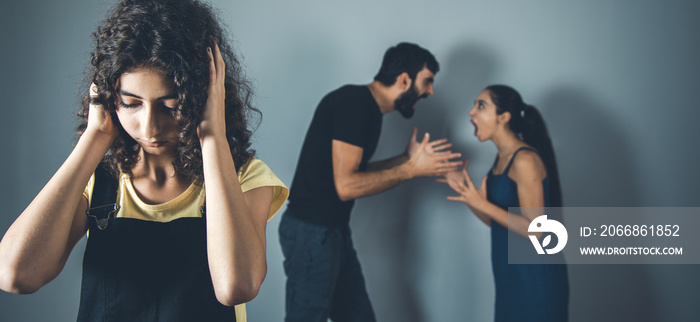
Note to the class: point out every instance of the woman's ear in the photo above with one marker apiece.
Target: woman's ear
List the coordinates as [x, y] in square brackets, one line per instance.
[504, 117]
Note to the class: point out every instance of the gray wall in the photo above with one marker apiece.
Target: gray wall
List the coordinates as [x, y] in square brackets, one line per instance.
[617, 82]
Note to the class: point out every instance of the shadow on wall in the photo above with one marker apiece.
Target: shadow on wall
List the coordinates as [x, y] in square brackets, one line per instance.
[593, 151]
[313, 58]
[410, 239]
[596, 169]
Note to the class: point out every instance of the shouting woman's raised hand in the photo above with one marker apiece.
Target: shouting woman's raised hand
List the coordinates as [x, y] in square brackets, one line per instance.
[461, 183]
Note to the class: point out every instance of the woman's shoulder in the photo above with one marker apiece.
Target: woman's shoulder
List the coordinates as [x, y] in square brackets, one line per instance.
[527, 164]
[252, 164]
[526, 155]
[255, 170]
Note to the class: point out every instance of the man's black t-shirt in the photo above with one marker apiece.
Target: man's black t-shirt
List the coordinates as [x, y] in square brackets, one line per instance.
[349, 114]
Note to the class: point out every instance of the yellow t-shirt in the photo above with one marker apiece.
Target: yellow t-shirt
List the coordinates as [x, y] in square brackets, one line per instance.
[253, 174]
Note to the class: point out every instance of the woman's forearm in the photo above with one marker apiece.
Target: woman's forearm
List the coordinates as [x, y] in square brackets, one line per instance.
[235, 239]
[34, 249]
[516, 223]
[483, 217]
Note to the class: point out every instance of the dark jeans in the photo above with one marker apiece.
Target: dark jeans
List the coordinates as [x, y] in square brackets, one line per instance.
[324, 278]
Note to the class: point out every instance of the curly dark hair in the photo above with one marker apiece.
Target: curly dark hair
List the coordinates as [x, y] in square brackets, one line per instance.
[171, 36]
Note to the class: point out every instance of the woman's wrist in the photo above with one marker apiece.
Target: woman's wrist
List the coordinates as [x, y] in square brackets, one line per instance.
[209, 134]
[211, 129]
[479, 205]
[214, 142]
[98, 137]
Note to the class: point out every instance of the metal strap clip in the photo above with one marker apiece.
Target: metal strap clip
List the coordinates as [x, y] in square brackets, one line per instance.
[98, 213]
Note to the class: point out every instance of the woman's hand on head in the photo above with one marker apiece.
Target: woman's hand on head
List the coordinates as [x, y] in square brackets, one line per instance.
[214, 120]
[100, 121]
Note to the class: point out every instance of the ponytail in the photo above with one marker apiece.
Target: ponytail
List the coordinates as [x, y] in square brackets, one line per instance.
[527, 123]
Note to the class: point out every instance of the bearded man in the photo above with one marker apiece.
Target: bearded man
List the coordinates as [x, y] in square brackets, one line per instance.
[324, 278]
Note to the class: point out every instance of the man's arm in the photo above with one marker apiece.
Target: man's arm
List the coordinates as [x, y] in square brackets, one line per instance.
[350, 183]
[386, 164]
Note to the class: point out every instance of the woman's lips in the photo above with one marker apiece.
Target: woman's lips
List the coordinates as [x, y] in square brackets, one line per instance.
[154, 144]
[476, 128]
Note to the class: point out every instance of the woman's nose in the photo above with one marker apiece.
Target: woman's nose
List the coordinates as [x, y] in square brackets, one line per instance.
[150, 121]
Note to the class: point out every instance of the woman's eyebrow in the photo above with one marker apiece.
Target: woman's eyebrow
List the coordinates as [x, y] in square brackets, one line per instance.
[166, 97]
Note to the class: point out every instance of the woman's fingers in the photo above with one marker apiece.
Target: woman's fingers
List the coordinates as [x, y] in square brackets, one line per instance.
[98, 118]
[212, 67]
[466, 174]
[93, 90]
[469, 180]
[446, 168]
[455, 198]
[457, 185]
[92, 95]
[482, 188]
[461, 183]
[217, 67]
[449, 175]
[453, 184]
[220, 65]
[213, 121]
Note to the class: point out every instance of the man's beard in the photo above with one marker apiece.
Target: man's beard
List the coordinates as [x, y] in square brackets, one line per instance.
[405, 102]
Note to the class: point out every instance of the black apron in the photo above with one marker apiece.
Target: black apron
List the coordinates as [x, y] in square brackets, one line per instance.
[136, 270]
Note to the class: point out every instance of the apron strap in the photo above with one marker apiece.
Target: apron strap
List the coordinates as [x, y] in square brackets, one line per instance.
[104, 196]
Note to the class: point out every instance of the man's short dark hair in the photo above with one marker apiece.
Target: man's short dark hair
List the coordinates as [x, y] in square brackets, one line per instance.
[405, 57]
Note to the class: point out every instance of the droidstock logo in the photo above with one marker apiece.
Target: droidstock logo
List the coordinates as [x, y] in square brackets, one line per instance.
[543, 225]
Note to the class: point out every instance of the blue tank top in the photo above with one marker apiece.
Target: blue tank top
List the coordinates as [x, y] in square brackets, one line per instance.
[524, 292]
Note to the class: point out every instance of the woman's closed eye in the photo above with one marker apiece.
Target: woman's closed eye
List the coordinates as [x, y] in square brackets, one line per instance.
[172, 107]
[125, 105]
